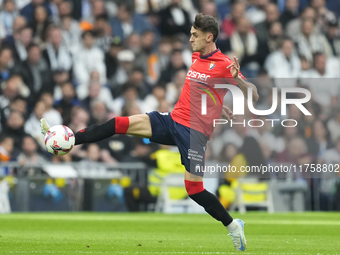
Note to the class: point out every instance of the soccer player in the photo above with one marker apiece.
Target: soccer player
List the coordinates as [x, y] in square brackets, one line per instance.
[185, 126]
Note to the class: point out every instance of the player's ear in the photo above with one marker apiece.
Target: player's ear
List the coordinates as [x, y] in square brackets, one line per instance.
[209, 37]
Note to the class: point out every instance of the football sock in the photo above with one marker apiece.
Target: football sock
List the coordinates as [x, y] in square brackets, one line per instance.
[208, 201]
[95, 133]
[232, 226]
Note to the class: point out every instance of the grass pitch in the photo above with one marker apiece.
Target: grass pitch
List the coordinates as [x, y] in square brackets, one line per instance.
[148, 233]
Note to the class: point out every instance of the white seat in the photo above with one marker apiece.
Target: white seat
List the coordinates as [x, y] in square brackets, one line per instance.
[165, 203]
[241, 192]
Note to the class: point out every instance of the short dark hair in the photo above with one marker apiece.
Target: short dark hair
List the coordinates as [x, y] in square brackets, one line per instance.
[206, 23]
[128, 7]
[32, 45]
[86, 33]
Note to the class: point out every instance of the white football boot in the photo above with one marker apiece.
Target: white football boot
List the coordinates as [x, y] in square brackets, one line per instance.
[44, 126]
[237, 236]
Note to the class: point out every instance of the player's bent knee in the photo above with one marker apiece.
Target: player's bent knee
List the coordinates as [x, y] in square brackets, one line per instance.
[193, 187]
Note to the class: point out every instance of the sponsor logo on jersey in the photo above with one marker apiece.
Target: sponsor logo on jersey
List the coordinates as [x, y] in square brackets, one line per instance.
[198, 75]
[212, 65]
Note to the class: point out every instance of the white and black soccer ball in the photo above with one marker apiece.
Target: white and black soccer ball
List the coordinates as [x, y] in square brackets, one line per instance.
[59, 140]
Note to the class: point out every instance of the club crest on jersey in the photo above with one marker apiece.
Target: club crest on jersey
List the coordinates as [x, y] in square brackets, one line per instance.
[212, 65]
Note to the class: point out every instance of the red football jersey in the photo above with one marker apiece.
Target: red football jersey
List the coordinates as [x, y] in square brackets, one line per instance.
[204, 73]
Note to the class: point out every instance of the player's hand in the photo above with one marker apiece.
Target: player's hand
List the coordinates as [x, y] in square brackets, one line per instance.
[227, 113]
[44, 126]
[234, 68]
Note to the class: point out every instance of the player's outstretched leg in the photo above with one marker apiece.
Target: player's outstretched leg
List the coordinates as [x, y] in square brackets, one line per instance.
[211, 204]
[138, 125]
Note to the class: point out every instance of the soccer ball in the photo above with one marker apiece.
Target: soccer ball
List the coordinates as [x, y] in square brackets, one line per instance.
[59, 140]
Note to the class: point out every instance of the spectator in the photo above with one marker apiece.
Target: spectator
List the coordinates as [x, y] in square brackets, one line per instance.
[40, 25]
[11, 89]
[98, 93]
[30, 154]
[99, 113]
[262, 28]
[134, 43]
[18, 23]
[174, 88]
[163, 55]
[179, 43]
[51, 115]
[127, 22]
[164, 106]
[64, 10]
[32, 125]
[290, 13]
[18, 104]
[210, 8]
[98, 9]
[54, 9]
[152, 101]
[130, 99]
[15, 129]
[6, 147]
[333, 125]
[275, 36]
[320, 140]
[21, 39]
[323, 15]
[88, 59]
[284, 63]
[6, 63]
[103, 33]
[125, 65]
[111, 61]
[137, 80]
[148, 41]
[68, 101]
[332, 155]
[309, 42]
[228, 152]
[176, 64]
[234, 135]
[333, 40]
[8, 15]
[325, 94]
[264, 135]
[79, 118]
[244, 44]
[229, 23]
[71, 33]
[56, 54]
[28, 10]
[60, 76]
[93, 153]
[295, 153]
[293, 27]
[35, 73]
[256, 13]
[174, 20]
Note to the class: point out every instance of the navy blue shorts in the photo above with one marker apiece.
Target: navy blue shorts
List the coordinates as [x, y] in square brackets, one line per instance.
[191, 143]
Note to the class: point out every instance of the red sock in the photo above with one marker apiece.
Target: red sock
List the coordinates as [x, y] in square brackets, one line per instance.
[122, 125]
[193, 187]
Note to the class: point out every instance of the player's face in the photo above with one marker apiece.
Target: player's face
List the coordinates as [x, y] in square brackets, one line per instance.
[198, 39]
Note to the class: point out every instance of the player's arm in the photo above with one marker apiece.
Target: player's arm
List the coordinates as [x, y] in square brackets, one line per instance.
[244, 85]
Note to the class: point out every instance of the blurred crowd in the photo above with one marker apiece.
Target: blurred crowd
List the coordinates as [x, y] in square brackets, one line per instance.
[81, 62]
